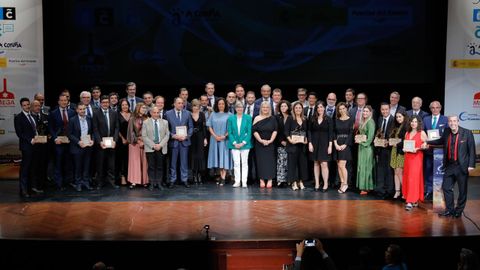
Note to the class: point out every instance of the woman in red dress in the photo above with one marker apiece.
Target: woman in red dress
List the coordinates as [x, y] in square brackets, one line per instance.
[413, 167]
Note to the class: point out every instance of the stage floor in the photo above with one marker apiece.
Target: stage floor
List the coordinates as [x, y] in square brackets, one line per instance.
[233, 214]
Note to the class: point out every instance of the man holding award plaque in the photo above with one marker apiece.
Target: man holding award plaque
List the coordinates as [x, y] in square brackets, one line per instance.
[80, 132]
[40, 149]
[181, 129]
[105, 129]
[385, 184]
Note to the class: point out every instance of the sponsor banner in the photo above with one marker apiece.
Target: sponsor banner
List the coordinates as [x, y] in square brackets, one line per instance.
[21, 71]
[438, 199]
[462, 80]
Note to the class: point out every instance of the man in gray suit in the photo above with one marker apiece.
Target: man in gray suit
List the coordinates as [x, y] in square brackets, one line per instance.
[155, 136]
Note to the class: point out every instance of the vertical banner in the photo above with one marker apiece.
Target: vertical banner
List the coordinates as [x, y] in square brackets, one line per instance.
[438, 199]
[462, 77]
[21, 71]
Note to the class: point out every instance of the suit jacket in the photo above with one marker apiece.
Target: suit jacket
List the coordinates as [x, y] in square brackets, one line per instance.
[442, 123]
[256, 108]
[421, 113]
[24, 130]
[466, 148]
[55, 122]
[305, 111]
[353, 113]
[390, 125]
[137, 100]
[100, 128]
[75, 133]
[174, 122]
[148, 134]
[41, 121]
[93, 105]
[400, 108]
[45, 110]
[245, 132]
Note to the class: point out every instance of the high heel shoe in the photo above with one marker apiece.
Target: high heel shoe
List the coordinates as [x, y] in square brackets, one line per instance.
[294, 186]
[300, 185]
[262, 183]
[397, 194]
[317, 188]
[363, 192]
[269, 184]
[343, 188]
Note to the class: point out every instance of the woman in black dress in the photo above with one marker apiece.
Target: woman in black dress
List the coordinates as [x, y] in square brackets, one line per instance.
[283, 113]
[121, 151]
[198, 143]
[265, 130]
[320, 137]
[343, 140]
[296, 125]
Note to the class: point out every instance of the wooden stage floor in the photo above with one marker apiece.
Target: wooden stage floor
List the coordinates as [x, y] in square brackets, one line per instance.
[237, 215]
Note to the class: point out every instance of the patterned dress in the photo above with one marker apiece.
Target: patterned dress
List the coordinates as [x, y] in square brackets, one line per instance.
[397, 158]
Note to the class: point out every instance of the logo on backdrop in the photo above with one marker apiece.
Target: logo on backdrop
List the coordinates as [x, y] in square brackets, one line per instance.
[465, 116]
[7, 99]
[7, 13]
[473, 48]
[476, 100]
[6, 28]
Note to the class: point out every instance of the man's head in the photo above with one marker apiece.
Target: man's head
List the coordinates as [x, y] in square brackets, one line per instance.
[435, 108]
[178, 103]
[131, 89]
[62, 101]
[239, 91]
[349, 95]
[331, 99]
[81, 109]
[160, 102]
[302, 94]
[277, 95]
[250, 97]
[36, 107]
[265, 91]
[85, 98]
[183, 93]
[231, 98]
[312, 99]
[113, 97]
[155, 112]
[416, 103]
[385, 109]
[453, 123]
[361, 100]
[204, 100]
[210, 89]
[394, 98]
[148, 98]
[96, 92]
[25, 103]
[40, 97]
[104, 102]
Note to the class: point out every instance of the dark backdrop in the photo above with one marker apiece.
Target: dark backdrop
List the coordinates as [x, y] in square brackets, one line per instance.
[325, 46]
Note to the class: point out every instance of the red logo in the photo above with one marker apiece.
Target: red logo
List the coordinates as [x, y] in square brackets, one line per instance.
[7, 99]
[476, 100]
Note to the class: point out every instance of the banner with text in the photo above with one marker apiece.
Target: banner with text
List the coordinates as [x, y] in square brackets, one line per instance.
[21, 71]
[462, 78]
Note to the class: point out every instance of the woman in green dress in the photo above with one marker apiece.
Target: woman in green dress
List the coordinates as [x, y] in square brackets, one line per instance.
[366, 158]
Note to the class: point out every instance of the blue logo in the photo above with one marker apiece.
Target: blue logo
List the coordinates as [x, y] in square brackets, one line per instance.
[476, 15]
[7, 13]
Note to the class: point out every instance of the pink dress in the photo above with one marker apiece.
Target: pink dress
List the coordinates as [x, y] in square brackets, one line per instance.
[413, 172]
[137, 160]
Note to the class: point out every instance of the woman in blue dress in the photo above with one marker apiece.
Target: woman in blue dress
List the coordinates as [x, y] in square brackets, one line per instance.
[218, 153]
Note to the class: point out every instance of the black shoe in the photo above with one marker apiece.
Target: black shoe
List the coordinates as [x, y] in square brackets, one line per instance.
[159, 187]
[185, 184]
[170, 185]
[150, 187]
[428, 196]
[112, 183]
[78, 188]
[37, 190]
[446, 214]
[457, 215]
[88, 187]
[24, 194]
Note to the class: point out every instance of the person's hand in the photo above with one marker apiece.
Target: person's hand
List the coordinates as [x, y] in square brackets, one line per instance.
[157, 147]
[114, 144]
[329, 150]
[319, 246]
[424, 145]
[470, 169]
[300, 248]
[310, 147]
[124, 141]
[82, 145]
[284, 143]
[205, 142]
[102, 145]
[57, 141]
[32, 141]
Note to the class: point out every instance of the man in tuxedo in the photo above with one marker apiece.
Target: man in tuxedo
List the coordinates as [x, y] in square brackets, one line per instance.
[210, 91]
[80, 133]
[105, 125]
[40, 150]
[96, 93]
[265, 91]
[231, 99]
[385, 185]
[41, 98]
[350, 99]
[180, 118]
[131, 90]
[331, 102]
[417, 108]
[458, 162]
[434, 121]
[276, 98]
[155, 136]
[394, 106]
[309, 111]
[26, 130]
[58, 126]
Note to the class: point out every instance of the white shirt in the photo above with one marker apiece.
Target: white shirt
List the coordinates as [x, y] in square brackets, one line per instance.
[393, 110]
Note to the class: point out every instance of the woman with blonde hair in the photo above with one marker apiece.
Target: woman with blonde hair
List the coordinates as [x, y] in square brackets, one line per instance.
[137, 159]
[366, 158]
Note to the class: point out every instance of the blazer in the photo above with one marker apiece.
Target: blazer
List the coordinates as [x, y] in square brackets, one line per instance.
[24, 130]
[75, 133]
[466, 148]
[256, 107]
[390, 125]
[421, 113]
[55, 122]
[137, 100]
[174, 122]
[442, 123]
[100, 128]
[148, 134]
[245, 132]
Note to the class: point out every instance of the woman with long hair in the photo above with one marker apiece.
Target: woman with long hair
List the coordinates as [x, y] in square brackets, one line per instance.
[397, 156]
[366, 158]
[297, 154]
[137, 159]
[121, 148]
[343, 139]
[283, 114]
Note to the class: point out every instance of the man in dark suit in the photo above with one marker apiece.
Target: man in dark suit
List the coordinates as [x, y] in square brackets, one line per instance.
[58, 125]
[131, 98]
[417, 108]
[265, 91]
[80, 133]
[331, 103]
[210, 91]
[40, 150]
[458, 161]
[105, 125]
[350, 99]
[179, 143]
[309, 111]
[183, 93]
[385, 185]
[394, 106]
[434, 121]
[70, 105]
[96, 93]
[231, 100]
[41, 98]
[25, 129]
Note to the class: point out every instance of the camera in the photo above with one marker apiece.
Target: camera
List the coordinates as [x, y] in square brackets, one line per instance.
[310, 243]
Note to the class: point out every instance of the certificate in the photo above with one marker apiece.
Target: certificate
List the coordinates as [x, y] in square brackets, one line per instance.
[86, 139]
[433, 134]
[63, 139]
[181, 131]
[360, 138]
[409, 146]
[394, 141]
[40, 139]
[107, 142]
[298, 139]
[380, 142]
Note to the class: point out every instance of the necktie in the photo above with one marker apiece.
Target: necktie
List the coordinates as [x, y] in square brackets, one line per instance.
[210, 102]
[107, 120]
[357, 118]
[310, 112]
[96, 104]
[330, 111]
[65, 118]
[132, 103]
[32, 122]
[415, 113]
[384, 127]
[156, 138]
[248, 109]
[178, 115]
[161, 115]
[434, 124]
[88, 112]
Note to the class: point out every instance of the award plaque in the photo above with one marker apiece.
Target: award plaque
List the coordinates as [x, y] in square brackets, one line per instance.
[360, 138]
[433, 134]
[409, 146]
[181, 131]
[63, 139]
[40, 139]
[298, 139]
[86, 139]
[394, 141]
[107, 142]
[378, 142]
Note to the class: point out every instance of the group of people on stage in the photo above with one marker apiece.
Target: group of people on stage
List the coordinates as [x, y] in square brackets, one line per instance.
[343, 144]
